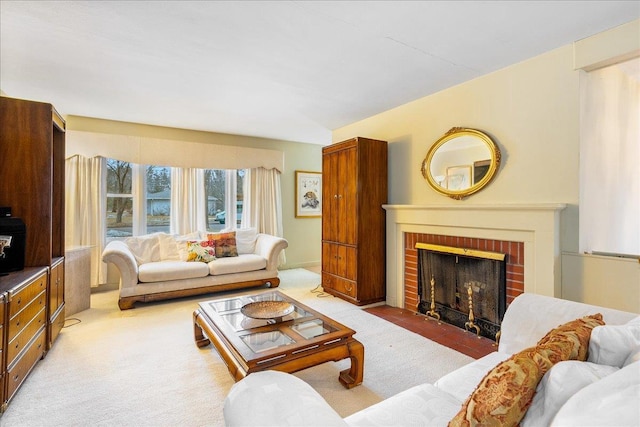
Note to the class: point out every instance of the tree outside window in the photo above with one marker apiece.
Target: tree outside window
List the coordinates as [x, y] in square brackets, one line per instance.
[119, 199]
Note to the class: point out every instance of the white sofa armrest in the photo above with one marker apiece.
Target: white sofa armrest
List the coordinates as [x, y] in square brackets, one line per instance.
[269, 247]
[120, 255]
[273, 398]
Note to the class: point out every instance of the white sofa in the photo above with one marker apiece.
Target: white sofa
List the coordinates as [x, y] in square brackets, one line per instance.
[603, 390]
[155, 267]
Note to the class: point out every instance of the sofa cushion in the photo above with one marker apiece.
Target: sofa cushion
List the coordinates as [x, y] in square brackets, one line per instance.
[225, 244]
[613, 344]
[505, 393]
[200, 251]
[558, 385]
[238, 264]
[612, 401]
[171, 270]
[422, 405]
[144, 248]
[461, 382]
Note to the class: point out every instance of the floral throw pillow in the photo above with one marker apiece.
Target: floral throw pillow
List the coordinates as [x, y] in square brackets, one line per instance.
[506, 392]
[200, 251]
[225, 244]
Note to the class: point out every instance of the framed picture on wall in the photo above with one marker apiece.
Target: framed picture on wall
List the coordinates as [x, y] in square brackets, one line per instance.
[308, 194]
[459, 177]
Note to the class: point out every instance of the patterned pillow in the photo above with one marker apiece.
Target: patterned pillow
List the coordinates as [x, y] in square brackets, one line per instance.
[225, 244]
[505, 393]
[573, 337]
[201, 251]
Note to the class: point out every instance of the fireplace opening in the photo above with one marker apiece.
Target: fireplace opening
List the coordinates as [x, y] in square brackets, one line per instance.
[451, 279]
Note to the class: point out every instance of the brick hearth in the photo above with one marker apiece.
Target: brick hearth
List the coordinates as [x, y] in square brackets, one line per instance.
[515, 262]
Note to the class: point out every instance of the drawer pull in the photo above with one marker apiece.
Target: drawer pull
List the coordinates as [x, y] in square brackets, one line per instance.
[16, 378]
[348, 288]
[18, 323]
[19, 301]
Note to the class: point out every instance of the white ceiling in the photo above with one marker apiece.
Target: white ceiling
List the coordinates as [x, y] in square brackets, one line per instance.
[291, 70]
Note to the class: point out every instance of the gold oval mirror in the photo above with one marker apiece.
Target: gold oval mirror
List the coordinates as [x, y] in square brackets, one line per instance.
[461, 162]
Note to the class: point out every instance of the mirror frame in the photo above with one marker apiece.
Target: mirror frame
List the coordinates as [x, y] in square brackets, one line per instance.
[454, 133]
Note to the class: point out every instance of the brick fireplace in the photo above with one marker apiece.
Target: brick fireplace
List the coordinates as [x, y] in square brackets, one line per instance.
[514, 260]
[528, 233]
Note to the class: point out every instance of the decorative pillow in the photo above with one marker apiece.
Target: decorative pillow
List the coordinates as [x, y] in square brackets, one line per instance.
[245, 239]
[168, 248]
[182, 243]
[572, 337]
[505, 393]
[613, 344]
[144, 248]
[612, 401]
[202, 251]
[225, 244]
[558, 385]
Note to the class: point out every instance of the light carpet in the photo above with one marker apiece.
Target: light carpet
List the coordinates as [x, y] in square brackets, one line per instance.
[141, 367]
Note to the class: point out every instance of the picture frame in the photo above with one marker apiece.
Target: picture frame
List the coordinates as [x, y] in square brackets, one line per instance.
[459, 177]
[308, 194]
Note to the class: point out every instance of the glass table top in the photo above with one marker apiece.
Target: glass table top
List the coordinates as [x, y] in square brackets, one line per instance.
[261, 341]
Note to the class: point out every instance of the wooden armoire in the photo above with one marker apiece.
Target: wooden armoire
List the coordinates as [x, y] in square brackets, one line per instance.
[354, 188]
[32, 174]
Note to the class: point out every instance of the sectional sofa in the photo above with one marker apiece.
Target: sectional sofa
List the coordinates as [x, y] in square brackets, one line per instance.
[582, 373]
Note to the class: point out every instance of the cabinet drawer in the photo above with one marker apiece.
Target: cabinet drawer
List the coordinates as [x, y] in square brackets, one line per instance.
[345, 287]
[327, 281]
[20, 299]
[20, 320]
[21, 340]
[21, 369]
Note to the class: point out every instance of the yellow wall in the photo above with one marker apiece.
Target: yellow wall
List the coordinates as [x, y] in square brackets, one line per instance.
[532, 111]
[297, 156]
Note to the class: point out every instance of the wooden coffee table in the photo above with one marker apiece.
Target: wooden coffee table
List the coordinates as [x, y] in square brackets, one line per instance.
[296, 341]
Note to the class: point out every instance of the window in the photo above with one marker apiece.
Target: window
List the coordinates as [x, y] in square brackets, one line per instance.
[158, 198]
[609, 158]
[139, 199]
[218, 184]
[119, 199]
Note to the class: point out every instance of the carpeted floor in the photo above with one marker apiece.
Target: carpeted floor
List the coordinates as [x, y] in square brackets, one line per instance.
[141, 367]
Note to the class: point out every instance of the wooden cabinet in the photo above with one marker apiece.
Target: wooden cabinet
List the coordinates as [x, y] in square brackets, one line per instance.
[354, 175]
[32, 184]
[24, 326]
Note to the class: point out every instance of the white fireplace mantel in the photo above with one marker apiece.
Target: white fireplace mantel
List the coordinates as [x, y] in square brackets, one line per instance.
[537, 225]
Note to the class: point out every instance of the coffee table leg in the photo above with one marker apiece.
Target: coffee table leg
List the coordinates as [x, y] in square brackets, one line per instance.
[201, 339]
[354, 376]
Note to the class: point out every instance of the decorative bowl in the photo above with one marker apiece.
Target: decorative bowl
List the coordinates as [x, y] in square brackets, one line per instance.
[267, 309]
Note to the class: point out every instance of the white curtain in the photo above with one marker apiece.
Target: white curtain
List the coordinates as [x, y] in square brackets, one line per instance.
[85, 210]
[609, 159]
[263, 203]
[188, 201]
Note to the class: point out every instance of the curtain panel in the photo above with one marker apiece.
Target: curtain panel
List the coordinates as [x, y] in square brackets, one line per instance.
[188, 201]
[263, 203]
[85, 210]
[609, 158]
